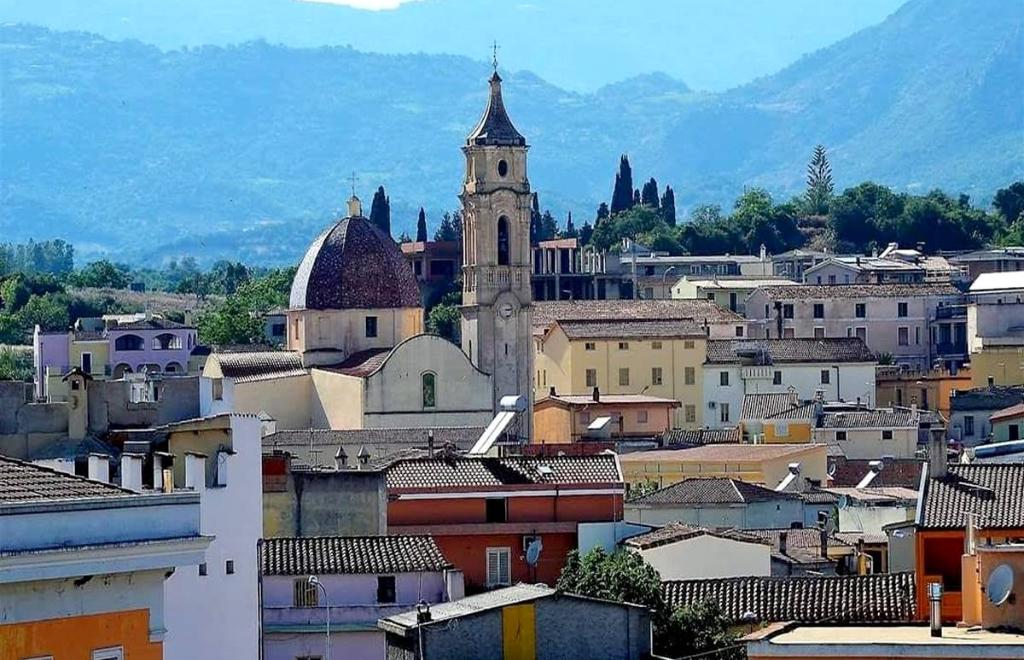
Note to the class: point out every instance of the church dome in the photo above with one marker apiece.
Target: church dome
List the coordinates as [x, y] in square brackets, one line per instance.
[354, 265]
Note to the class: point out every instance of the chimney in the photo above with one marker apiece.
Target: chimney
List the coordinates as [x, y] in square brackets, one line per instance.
[430, 437]
[937, 447]
[355, 207]
[551, 391]
[783, 542]
[131, 471]
[823, 537]
[167, 479]
[935, 608]
[363, 456]
[340, 458]
[99, 467]
[195, 471]
[161, 460]
[597, 395]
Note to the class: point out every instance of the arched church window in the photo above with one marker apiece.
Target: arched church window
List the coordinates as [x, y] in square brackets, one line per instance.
[429, 390]
[502, 168]
[503, 241]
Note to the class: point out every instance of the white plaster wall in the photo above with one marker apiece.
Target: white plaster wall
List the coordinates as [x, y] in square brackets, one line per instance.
[868, 443]
[705, 557]
[871, 519]
[217, 615]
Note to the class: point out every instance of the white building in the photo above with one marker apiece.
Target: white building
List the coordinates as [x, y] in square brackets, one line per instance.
[841, 369]
[871, 433]
[680, 552]
[728, 292]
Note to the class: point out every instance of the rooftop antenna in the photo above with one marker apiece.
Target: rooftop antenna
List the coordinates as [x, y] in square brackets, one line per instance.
[353, 179]
[494, 55]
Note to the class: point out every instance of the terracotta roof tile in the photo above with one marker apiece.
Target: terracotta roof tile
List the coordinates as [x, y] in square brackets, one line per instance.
[740, 452]
[466, 471]
[992, 490]
[834, 291]
[776, 405]
[701, 436]
[885, 418]
[674, 532]
[261, 365]
[362, 363]
[631, 329]
[777, 351]
[547, 312]
[712, 490]
[333, 555]
[27, 482]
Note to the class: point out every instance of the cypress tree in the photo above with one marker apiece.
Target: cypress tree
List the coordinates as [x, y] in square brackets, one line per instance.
[668, 206]
[421, 227]
[380, 211]
[535, 218]
[637, 200]
[586, 231]
[649, 194]
[819, 182]
[570, 229]
[602, 213]
[622, 194]
[548, 226]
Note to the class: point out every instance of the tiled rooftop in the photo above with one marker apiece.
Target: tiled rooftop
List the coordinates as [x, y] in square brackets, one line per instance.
[27, 482]
[884, 597]
[992, 490]
[465, 471]
[729, 453]
[875, 418]
[779, 351]
[777, 405]
[701, 436]
[803, 545]
[712, 490]
[152, 323]
[631, 329]
[546, 313]
[612, 399]
[674, 532]
[849, 291]
[994, 397]
[904, 472]
[379, 442]
[260, 365]
[330, 555]
[362, 363]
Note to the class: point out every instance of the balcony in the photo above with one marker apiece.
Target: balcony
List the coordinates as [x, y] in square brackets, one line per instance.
[949, 312]
[951, 348]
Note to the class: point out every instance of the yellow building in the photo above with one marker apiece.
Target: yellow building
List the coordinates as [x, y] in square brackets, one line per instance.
[778, 418]
[998, 363]
[565, 418]
[659, 358]
[767, 465]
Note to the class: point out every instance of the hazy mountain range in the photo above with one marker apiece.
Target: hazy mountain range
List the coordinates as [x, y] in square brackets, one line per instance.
[244, 151]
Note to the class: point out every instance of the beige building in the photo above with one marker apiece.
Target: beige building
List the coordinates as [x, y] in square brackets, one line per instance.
[717, 323]
[871, 433]
[657, 358]
[566, 418]
[726, 292]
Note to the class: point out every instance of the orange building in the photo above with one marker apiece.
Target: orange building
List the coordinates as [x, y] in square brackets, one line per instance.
[83, 562]
[486, 512]
[991, 494]
[566, 418]
[928, 390]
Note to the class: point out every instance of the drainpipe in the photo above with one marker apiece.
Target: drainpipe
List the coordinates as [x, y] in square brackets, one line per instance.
[259, 591]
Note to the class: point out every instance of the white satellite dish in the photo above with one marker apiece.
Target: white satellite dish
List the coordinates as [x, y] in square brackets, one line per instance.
[533, 551]
[1000, 584]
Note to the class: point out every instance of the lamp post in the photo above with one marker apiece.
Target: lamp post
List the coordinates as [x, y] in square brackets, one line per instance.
[314, 581]
[664, 276]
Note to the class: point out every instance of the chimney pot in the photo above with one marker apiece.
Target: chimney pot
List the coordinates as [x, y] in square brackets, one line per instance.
[783, 542]
[99, 467]
[195, 471]
[551, 391]
[131, 472]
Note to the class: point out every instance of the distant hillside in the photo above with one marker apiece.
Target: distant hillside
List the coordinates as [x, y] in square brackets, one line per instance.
[246, 151]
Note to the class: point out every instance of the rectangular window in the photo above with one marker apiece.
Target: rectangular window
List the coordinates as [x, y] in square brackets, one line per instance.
[825, 376]
[739, 331]
[687, 343]
[623, 345]
[656, 345]
[840, 435]
[819, 333]
[371, 326]
[782, 429]
[691, 413]
[229, 567]
[901, 310]
[787, 311]
[305, 594]
[831, 279]
[788, 333]
[641, 417]
[689, 375]
[819, 310]
[623, 376]
[589, 346]
[217, 385]
[385, 588]
[886, 435]
[903, 336]
[777, 378]
[917, 335]
[969, 425]
[497, 509]
[110, 653]
[591, 375]
[499, 567]
[861, 310]
[723, 378]
[87, 362]
[723, 409]
[655, 375]
[862, 334]
[202, 569]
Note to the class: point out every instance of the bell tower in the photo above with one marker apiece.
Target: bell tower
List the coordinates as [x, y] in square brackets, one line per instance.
[496, 258]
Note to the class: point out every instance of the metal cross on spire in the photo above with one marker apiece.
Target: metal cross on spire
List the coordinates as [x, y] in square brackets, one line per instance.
[353, 179]
[494, 56]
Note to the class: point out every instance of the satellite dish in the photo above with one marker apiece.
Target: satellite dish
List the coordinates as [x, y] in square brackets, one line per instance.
[533, 551]
[1000, 583]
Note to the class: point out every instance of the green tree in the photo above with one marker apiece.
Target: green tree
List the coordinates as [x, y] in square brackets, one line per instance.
[622, 193]
[421, 227]
[570, 228]
[819, 182]
[637, 224]
[602, 213]
[857, 215]
[649, 194]
[49, 311]
[444, 318]
[622, 576]
[380, 211]
[548, 227]
[586, 233]
[226, 277]
[535, 219]
[1009, 202]
[15, 364]
[668, 206]
[698, 629]
[231, 322]
[447, 231]
[102, 274]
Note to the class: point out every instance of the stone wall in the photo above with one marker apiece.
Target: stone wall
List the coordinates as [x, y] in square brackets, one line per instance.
[26, 425]
[110, 406]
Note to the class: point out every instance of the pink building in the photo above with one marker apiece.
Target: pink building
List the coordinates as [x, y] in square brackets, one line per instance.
[350, 582]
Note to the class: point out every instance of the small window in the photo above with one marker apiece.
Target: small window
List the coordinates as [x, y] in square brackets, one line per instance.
[503, 242]
[840, 435]
[739, 331]
[723, 409]
[787, 311]
[656, 345]
[723, 378]
[782, 429]
[385, 588]
[903, 336]
[589, 346]
[499, 563]
[687, 343]
[819, 310]
[202, 569]
[110, 653]
[624, 376]
[371, 326]
[901, 309]
[777, 378]
[655, 375]
[886, 435]
[623, 345]
[497, 510]
[819, 333]
[591, 377]
[641, 417]
[229, 567]
[969, 425]
[429, 386]
[503, 168]
[860, 311]
[825, 376]
[218, 389]
[689, 375]
[305, 594]
[691, 413]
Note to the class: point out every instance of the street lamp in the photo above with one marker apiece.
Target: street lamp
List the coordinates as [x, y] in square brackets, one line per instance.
[664, 276]
[314, 581]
